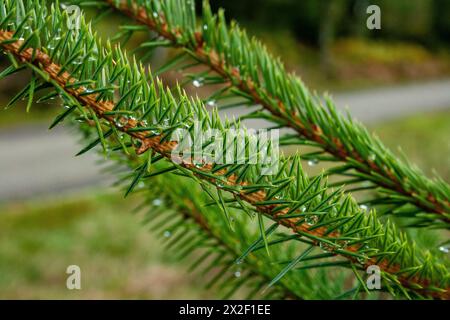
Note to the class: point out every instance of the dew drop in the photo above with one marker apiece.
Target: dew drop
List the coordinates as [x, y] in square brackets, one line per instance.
[313, 162]
[157, 202]
[198, 82]
[445, 249]
[211, 103]
[364, 207]
[121, 121]
[199, 164]
[167, 234]
[362, 260]
[372, 157]
[155, 14]
[237, 274]
[205, 27]
[77, 61]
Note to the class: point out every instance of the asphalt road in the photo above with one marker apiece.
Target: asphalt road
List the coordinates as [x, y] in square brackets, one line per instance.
[35, 161]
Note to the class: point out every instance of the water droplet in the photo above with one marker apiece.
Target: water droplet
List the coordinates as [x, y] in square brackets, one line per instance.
[303, 209]
[239, 262]
[167, 234]
[21, 38]
[198, 82]
[445, 249]
[157, 202]
[312, 220]
[205, 27]
[78, 61]
[237, 274]
[364, 207]
[211, 103]
[155, 14]
[362, 260]
[121, 121]
[198, 164]
[372, 157]
[313, 162]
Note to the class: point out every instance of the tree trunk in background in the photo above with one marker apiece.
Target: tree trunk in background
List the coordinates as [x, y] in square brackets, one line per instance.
[331, 12]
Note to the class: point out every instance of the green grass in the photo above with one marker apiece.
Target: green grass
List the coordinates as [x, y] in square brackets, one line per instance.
[118, 257]
[424, 139]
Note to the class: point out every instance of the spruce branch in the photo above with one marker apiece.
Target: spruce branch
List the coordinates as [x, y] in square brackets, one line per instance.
[320, 218]
[246, 65]
[168, 197]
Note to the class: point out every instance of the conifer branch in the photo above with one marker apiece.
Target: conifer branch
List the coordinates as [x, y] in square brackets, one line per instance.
[321, 218]
[167, 194]
[247, 66]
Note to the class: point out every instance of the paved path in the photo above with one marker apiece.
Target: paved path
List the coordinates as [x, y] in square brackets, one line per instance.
[35, 161]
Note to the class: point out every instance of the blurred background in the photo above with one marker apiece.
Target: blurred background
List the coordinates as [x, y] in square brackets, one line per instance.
[57, 210]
